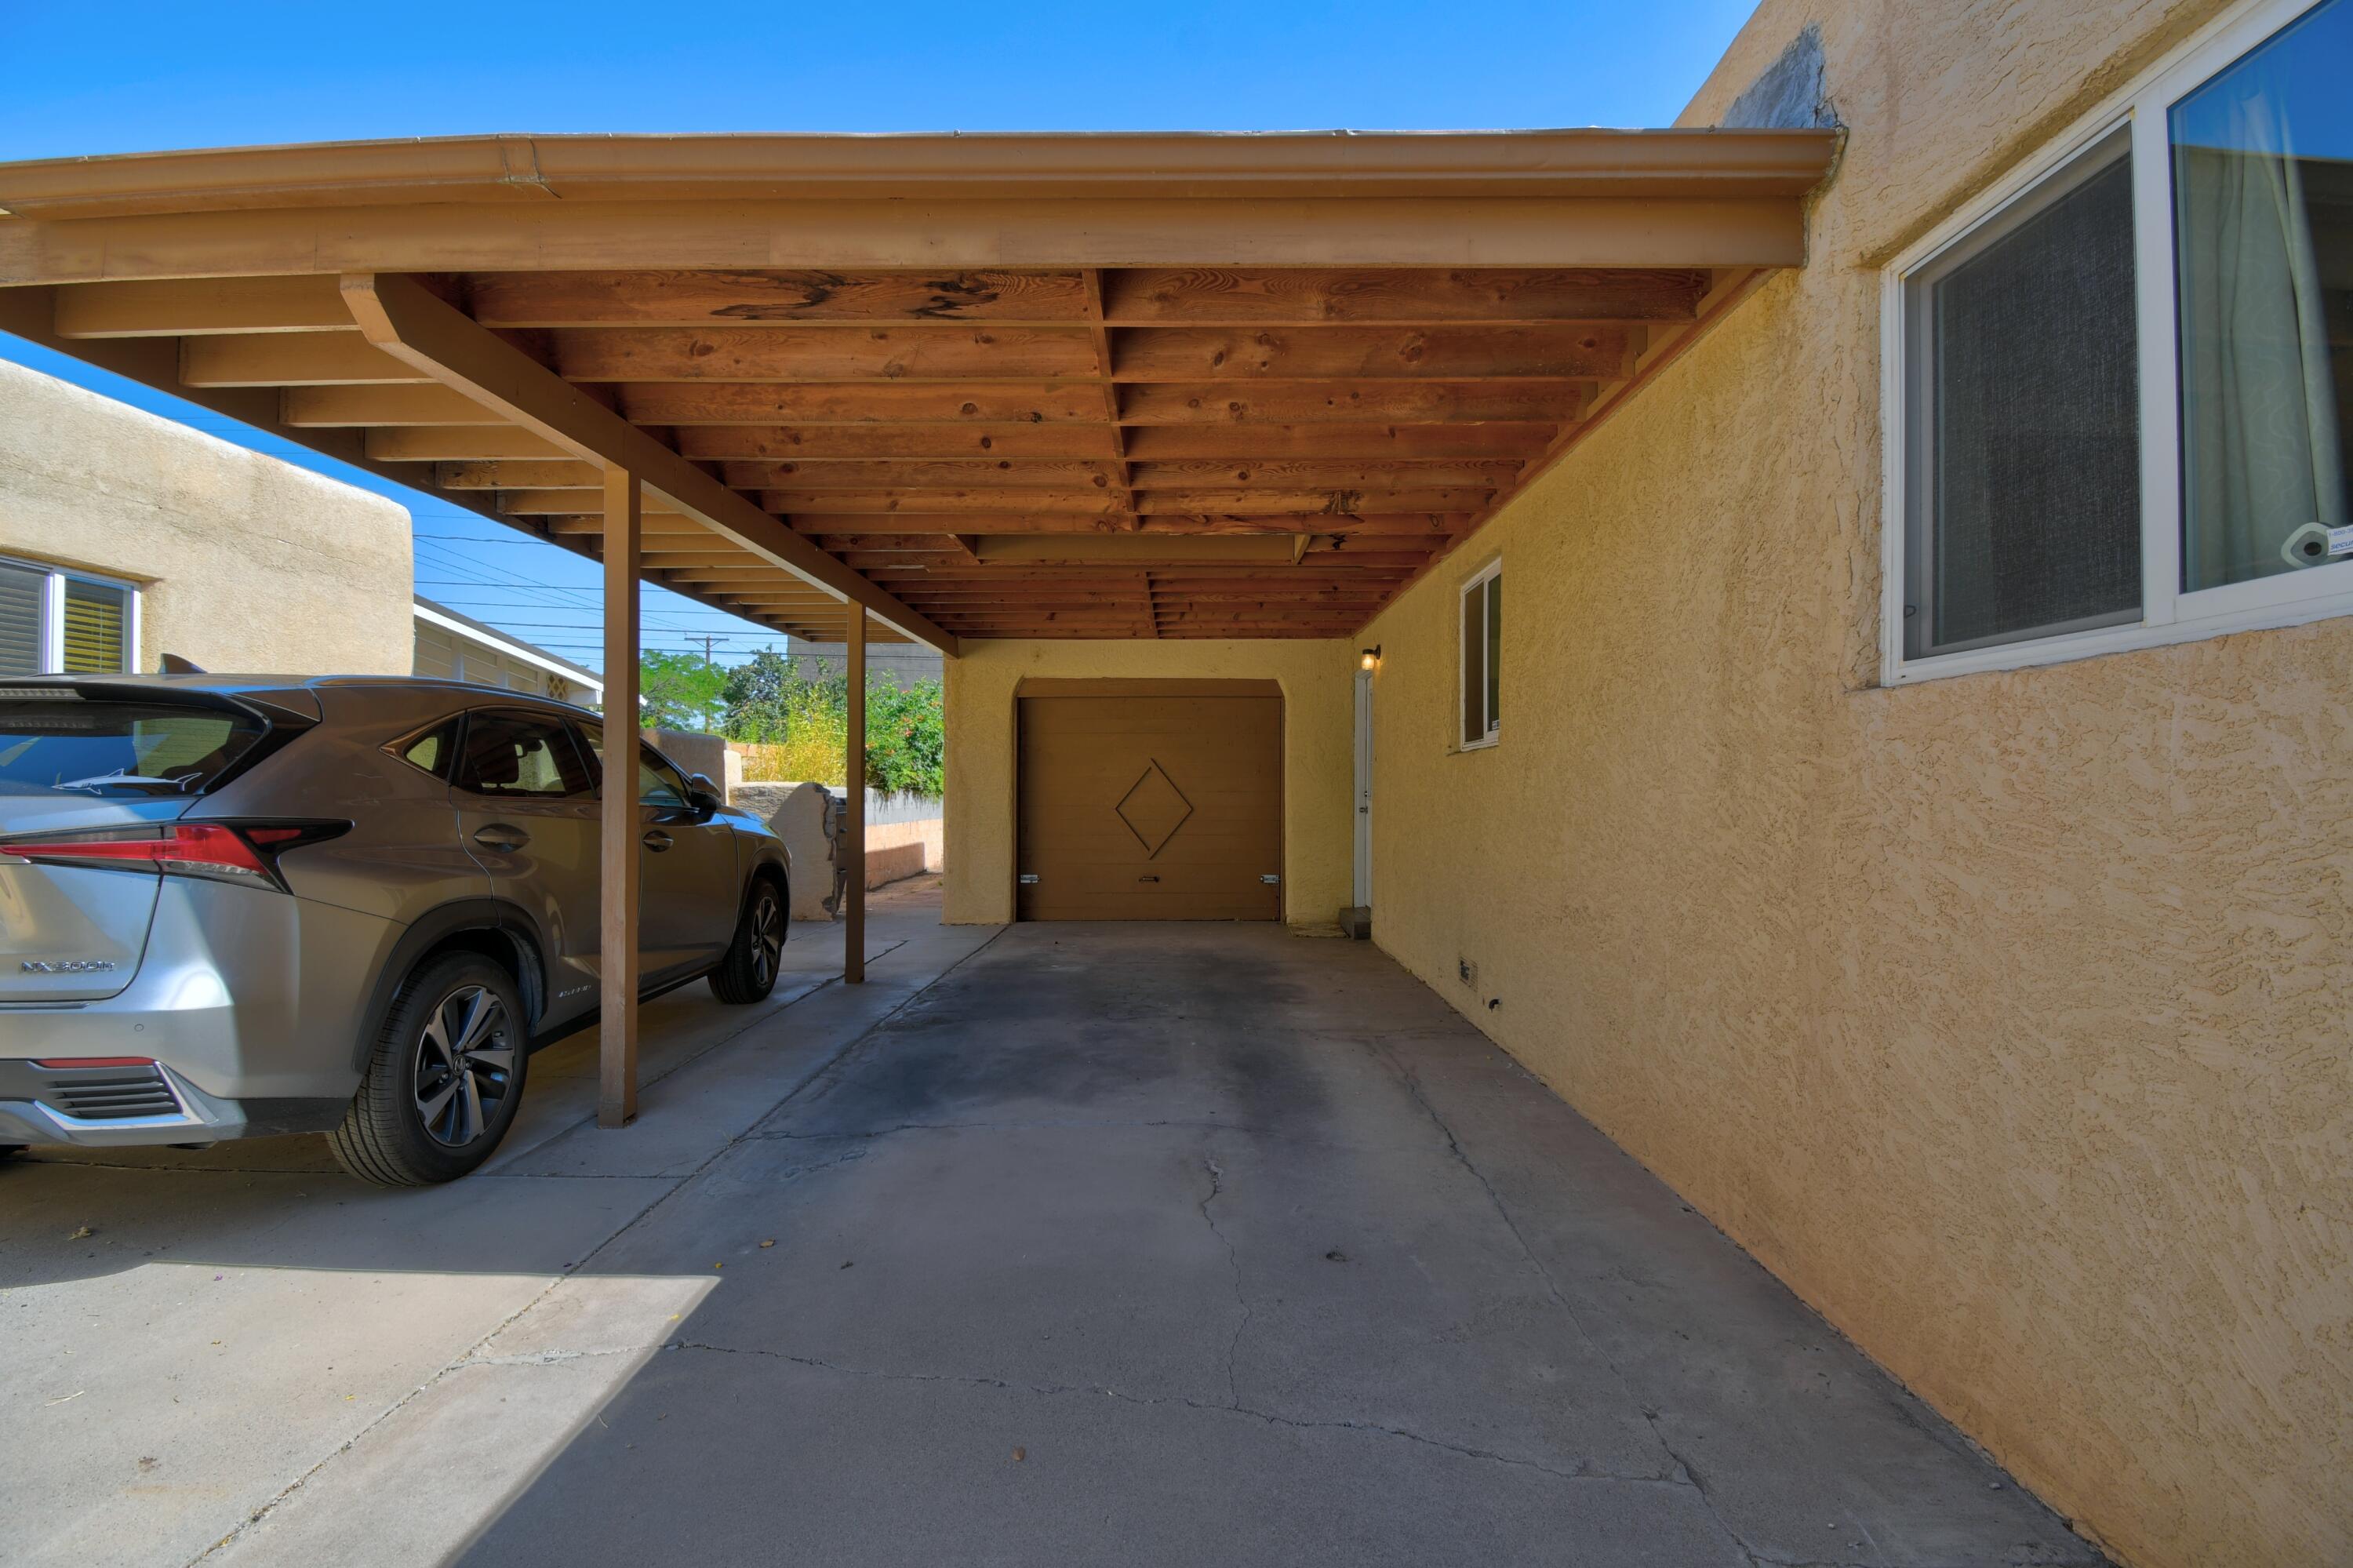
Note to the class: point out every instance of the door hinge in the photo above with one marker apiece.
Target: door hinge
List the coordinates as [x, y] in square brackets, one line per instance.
[1269, 877]
[1027, 877]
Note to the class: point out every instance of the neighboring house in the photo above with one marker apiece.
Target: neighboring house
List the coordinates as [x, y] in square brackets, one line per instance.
[460, 648]
[125, 537]
[902, 663]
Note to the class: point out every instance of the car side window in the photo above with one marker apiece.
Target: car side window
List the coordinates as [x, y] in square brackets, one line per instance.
[429, 751]
[659, 784]
[520, 755]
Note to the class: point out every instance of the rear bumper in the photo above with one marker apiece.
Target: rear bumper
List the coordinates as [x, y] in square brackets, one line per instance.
[246, 1002]
[115, 1107]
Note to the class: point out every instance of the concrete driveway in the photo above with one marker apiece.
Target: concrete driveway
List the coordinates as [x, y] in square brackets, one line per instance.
[1062, 1244]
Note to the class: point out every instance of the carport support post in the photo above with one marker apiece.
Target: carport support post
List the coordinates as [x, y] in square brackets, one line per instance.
[616, 937]
[853, 891]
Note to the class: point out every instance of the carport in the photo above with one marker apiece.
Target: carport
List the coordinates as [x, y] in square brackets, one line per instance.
[1126, 388]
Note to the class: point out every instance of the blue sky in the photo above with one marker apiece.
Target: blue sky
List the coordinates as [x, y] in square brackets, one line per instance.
[139, 78]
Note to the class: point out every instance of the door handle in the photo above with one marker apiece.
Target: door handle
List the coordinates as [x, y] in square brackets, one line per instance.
[658, 840]
[501, 836]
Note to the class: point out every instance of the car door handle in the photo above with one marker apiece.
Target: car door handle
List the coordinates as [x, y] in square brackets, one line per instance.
[658, 840]
[501, 836]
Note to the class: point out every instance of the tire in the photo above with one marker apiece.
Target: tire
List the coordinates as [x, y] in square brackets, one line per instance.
[409, 1125]
[748, 973]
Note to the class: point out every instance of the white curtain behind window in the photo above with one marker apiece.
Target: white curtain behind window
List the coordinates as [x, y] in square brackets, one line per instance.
[2260, 432]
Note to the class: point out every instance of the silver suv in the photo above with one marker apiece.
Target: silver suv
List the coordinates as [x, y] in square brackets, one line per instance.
[237, 906]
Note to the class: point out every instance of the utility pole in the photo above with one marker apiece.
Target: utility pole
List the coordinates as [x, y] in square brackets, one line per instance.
[707, 639]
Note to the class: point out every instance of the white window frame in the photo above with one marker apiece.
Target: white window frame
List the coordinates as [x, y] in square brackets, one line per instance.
[1475, 583]
[2168, 614]
[53, 611]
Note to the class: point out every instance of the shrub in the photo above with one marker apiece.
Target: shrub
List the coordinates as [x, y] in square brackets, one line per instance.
[797, 727]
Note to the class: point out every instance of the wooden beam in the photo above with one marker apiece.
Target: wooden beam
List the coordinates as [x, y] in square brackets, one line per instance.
[437, 443]
[619, 828]
[1350, 402]
[1279, 473]
[1177, 550]
[404, 319]
[192, 307]
[823, 353]
[1428, 354]
[292, 359]
[1215, 296]
[920, 475]
[979, 443]
[690, 298]
[561, 502]
[520, 474]
[1085, 503]
[727, 403]
[853, 891]
[833, 525]
[1335, 442]
[328, 407]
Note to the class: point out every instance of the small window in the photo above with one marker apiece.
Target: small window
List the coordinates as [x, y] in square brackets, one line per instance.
[519, 755]
[60, 623]
[1483, 657]
[431, 751]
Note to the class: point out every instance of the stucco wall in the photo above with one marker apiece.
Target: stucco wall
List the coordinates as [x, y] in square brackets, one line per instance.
[1317, 761]
[245, 564]
[2006, 1016]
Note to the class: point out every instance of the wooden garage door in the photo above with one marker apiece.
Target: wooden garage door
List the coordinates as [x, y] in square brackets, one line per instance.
[1150, 800]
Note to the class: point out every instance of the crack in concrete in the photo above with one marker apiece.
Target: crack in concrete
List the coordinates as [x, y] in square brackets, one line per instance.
[1582, 1473]
[1684, 1471]
[1234, 1261]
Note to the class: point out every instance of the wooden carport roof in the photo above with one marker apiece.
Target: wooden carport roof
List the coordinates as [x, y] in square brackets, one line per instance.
[999, 386]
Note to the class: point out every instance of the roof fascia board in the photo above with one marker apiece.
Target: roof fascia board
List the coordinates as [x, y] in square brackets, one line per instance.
[528, 170]
[1745, 231]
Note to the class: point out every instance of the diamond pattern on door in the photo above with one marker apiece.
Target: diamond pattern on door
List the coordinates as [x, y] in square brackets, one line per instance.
[1154, 809]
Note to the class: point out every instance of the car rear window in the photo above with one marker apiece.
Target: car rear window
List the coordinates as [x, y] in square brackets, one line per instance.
[118, 749]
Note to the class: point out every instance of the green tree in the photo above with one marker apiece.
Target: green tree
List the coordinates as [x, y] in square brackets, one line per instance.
[681, 691]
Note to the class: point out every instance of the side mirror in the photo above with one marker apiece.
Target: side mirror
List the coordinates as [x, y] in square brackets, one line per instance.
[702, 794]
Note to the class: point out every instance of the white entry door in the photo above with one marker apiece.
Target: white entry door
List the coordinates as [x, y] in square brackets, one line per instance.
[1364, 878]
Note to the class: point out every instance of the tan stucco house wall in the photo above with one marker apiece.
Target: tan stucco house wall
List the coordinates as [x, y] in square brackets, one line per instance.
[243, 563]
[2005, 1016]
[1317, 720]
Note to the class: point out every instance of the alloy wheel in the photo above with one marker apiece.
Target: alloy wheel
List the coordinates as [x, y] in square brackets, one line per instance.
[465, 1066]
[767, 938]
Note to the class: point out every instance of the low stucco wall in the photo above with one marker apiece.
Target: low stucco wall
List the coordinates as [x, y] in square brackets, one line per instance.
[2005, 1017]
[245, 564]
[1317, 758]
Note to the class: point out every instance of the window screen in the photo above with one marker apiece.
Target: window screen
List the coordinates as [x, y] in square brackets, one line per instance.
[2025, 439]
[20, 619]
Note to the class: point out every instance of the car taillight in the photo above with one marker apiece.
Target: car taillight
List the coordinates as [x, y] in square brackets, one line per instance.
[243, 852]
